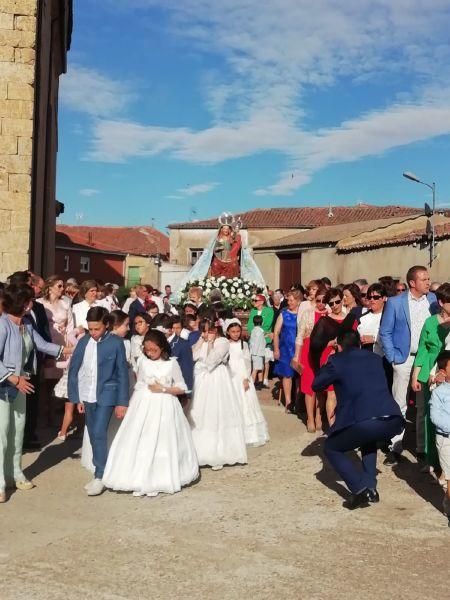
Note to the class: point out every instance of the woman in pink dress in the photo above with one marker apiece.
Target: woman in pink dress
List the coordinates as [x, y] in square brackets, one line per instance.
[307, 321]
[60, 319]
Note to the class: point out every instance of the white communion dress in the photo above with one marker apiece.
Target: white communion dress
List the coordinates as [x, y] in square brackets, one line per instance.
[153, 451]
[215, 414]
[255, 426]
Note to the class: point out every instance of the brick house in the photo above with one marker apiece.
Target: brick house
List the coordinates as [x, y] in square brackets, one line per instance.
[35, 37]
[122, 255]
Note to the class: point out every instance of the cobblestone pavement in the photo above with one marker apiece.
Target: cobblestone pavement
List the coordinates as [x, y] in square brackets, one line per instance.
[273, 529]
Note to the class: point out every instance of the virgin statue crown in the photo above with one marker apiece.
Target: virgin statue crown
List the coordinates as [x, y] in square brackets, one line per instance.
[229, 219]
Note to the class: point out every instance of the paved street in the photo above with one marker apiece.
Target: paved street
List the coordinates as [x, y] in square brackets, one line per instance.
[272, 529]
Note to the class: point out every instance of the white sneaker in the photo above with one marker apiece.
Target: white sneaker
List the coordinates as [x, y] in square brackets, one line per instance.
[217, 468]
[89, 483]
[138, 494]
[95, 488]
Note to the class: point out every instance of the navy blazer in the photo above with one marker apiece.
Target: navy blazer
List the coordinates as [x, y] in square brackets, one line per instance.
[182, 350]
[112, 371]
[360, 385]
[395, 328]
[136, 308]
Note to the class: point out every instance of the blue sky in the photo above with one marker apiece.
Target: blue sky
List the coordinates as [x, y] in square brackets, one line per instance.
[174, 109]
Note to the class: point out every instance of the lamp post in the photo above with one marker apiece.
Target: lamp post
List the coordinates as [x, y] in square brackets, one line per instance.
[432, 187]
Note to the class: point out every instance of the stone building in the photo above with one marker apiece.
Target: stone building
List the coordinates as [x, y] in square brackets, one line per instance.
[262, 227]
[34, 39]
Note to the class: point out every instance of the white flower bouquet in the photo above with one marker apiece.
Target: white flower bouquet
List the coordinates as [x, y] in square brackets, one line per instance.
[236, 293]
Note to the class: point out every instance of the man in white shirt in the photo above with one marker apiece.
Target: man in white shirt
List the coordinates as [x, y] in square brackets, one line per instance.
[401, 325]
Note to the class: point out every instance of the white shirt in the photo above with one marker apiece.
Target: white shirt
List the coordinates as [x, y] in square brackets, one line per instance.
[419, 311]
[80, 312]
[370, 325]
[159, 303]
[126, 305]
[87, 375]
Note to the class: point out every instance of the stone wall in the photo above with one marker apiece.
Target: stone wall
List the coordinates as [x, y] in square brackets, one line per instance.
[17, 73]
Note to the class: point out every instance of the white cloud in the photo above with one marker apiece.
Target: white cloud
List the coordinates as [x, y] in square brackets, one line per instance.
[199, 188]
[89, 192]
[88, 91]
[277, 52]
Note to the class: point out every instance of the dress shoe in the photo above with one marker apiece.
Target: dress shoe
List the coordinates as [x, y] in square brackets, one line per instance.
[373, 495]
[392, 459]
[24, 485]
[360, 500]
[95, 488]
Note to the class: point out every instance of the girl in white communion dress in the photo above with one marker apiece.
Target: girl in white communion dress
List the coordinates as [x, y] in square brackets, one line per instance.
[255, 426]
[153, 451]
[215, 414]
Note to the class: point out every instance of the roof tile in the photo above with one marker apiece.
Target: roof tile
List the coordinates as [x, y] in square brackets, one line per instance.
[130, 240]
[306, 217]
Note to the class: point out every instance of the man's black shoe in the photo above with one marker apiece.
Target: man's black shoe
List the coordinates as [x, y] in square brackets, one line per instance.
[373, 496]
[258, 386]
[392, 459]
[360, 500]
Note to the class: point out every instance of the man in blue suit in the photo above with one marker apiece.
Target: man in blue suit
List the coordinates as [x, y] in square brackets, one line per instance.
[401, 324]
[365, 414]
[137, 307]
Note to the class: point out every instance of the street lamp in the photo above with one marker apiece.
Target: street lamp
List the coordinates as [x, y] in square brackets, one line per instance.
[428, 213]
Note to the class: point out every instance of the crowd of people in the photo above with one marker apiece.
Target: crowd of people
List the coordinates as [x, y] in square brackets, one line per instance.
[165, 389]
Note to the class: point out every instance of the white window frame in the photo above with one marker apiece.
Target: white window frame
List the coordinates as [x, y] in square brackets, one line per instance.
[194, 255]
[66, 263]
[85, 264]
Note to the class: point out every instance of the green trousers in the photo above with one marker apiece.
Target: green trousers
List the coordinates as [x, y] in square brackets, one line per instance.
[12, 424]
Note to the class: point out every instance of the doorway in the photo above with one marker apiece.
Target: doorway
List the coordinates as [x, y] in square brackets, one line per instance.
[290, 269]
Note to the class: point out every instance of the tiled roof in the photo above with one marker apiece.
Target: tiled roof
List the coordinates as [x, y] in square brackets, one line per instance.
[331, 234]
[129, 240]
[306, 217]
[407, 232]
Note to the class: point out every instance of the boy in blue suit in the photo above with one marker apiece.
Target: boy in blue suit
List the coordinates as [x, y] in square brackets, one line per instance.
[401, 324]
[365, 414]
[98, 384]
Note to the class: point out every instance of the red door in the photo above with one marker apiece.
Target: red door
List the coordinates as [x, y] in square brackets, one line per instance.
[290, 269]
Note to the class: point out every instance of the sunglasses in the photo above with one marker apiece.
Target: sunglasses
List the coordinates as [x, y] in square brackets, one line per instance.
[374, 297]
[400, 290]
[333, 302]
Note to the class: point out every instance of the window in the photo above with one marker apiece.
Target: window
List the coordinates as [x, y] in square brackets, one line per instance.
[194, 255]
[85, 264]
[66, 263]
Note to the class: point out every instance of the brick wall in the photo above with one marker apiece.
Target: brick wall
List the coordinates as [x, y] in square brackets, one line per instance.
[17, 73]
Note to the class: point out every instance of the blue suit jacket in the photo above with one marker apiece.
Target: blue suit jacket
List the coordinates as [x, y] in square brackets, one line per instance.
[360, 385]
[182, 350]
[395, 328]
[112, 371]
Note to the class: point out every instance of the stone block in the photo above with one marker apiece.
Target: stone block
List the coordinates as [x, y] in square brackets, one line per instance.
[26, 56]
[22, 127]
[8, 144]
[19, 182]
[5, 220]
[16, 109]
[25, 23]
[12, 72]
[14, 241]
[6, 20]
[6, 53]
[19, 7]
[24, 146]
[17, 39]
[20, 220]
[19, 91]
[15, 200]
[12, 262]
[3, 178]
[3, 90]
[16, 164]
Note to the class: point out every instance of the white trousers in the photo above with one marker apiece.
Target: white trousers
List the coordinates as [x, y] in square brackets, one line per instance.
[400, 390]
[12, 424]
